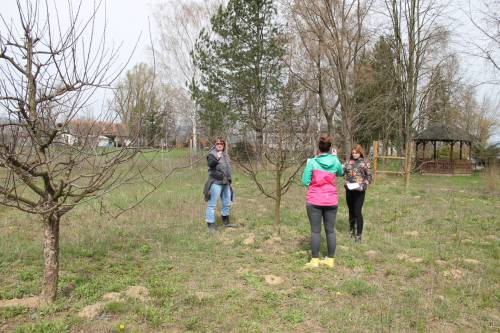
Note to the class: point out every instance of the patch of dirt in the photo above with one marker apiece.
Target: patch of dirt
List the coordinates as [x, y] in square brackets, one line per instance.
[112, 297]
[91, 311]
[454, 273]
[249, 240]
[242, 271]
[201, 295]
[472, 261]
[491, 237]
[412, 233]
[273, 240]
[441, 262]
[402, 256]
[138, 292]
[442, 327]
[29, 302]
[405, 257]
[372, 254]
[273, 280]
[415, 260]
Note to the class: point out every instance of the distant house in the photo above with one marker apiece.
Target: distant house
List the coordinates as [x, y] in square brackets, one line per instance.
[91, 133]
[96, 133]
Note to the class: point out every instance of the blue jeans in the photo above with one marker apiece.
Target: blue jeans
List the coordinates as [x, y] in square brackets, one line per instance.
[216, 191]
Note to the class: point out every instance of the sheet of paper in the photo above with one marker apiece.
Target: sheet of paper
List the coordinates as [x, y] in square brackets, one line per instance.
[353, 186]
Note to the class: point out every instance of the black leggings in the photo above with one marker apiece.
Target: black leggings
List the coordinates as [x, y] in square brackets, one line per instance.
[329, 214]
[355, 200]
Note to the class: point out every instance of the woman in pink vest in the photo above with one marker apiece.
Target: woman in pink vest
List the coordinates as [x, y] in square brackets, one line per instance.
[320, 175]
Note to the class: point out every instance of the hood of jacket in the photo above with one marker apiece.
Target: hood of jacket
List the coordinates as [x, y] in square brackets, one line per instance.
[326, 161]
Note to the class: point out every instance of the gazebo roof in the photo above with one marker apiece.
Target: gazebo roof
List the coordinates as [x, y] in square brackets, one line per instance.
[442, 132]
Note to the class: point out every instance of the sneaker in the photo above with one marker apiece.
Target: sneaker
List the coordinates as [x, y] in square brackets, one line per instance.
[357, 239]
[314, 263]
[328, 262]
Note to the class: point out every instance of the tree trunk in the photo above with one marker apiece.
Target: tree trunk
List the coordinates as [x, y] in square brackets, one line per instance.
[329, 122]
[51, 257]
[277, 202]
[407, 163]
[194, 130]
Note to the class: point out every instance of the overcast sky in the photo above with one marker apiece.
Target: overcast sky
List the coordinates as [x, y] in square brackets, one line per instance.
[128, 22]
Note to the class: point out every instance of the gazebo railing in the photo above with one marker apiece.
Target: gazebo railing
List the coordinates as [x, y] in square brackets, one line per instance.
[454, 167]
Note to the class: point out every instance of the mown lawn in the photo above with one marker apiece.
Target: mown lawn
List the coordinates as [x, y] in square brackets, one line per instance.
[428, 263]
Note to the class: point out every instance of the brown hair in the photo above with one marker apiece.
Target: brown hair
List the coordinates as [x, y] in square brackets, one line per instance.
[325, 143]
[220, 139]
[359, 149]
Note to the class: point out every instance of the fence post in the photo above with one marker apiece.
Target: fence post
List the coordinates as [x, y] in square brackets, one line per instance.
[375, 156]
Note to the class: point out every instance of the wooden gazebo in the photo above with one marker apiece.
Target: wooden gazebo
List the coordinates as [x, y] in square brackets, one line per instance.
[441, 133]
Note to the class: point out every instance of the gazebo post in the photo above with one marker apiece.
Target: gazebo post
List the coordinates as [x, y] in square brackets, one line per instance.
[461, 144]
[423, 152]
[451, 150]
[435, 156]
[416, 150]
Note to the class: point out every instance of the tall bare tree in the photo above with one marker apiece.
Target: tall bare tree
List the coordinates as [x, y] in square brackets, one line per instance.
[50, 66]
[415, 27]
[143, 103]
[333, 33]
[179, 25]
[485, 16]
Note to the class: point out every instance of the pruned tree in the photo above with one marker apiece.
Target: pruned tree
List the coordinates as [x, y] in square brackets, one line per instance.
[286, 149]
[49, 68]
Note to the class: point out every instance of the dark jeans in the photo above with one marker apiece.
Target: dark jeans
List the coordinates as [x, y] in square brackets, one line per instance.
[355, 200]
[316, 214]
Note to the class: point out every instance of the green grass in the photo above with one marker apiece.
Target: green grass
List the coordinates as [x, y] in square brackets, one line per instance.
[432, 265]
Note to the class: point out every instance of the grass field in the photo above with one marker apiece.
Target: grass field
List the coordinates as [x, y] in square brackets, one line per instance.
[428, 263]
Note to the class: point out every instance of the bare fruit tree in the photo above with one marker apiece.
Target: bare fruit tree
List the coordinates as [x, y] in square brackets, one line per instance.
[50, 66]
[286, 150]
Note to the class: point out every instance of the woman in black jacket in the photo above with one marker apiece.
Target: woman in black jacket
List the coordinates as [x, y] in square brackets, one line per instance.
[218, 184]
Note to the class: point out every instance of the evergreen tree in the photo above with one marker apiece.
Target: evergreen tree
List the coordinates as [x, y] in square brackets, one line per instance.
[375, 96]
[241, 66]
